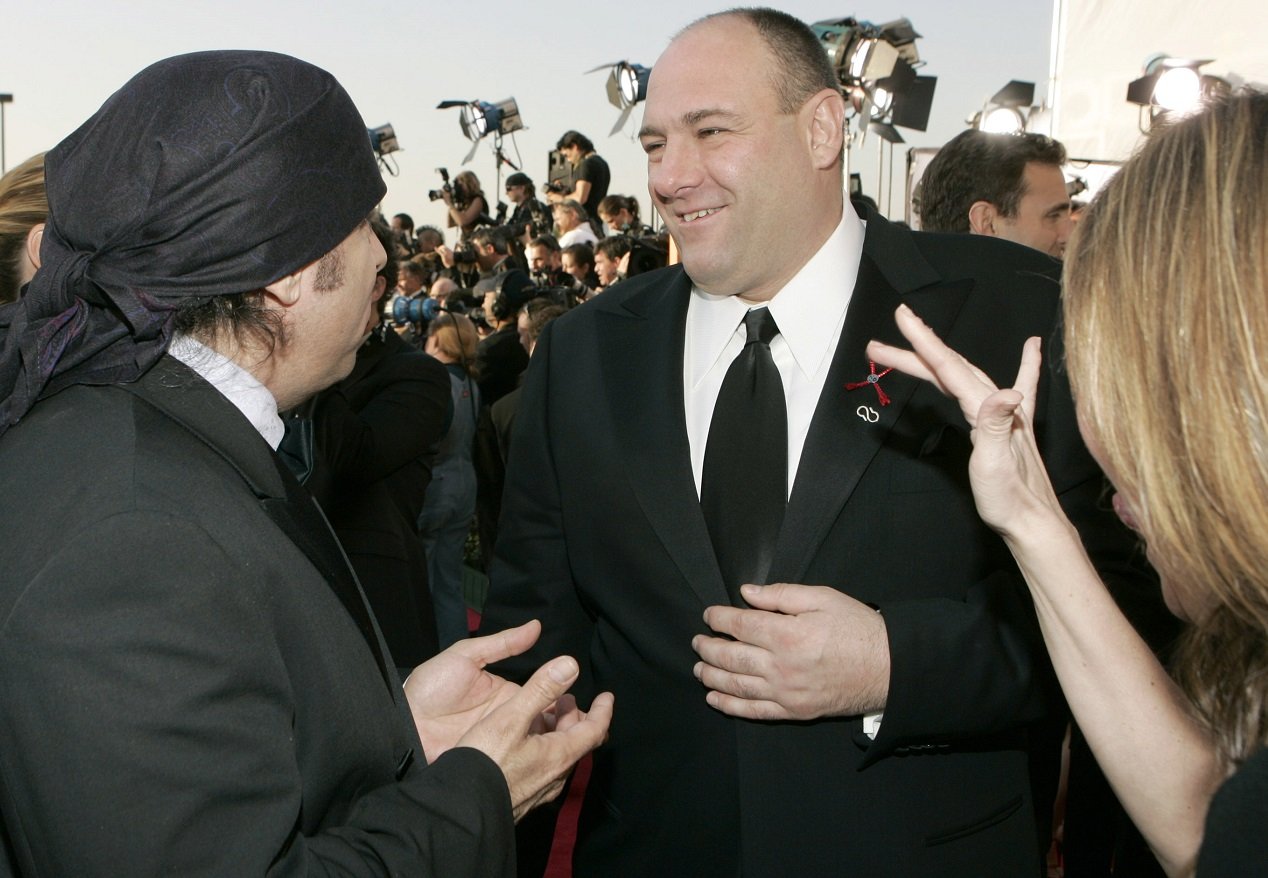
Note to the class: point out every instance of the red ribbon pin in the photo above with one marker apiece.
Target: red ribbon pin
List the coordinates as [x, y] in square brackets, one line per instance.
[873, 379]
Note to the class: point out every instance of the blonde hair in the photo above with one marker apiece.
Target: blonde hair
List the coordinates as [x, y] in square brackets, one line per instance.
[23, 205]
[1166, 331]
[457, 339]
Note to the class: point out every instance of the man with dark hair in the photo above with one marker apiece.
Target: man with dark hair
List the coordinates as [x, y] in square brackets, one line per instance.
[403, 230]
[578, 260]
[740, 525]
[531, 216]
[608, 254]
[429, 238]
[492, 246]
[1008, 186]
[411, 283]
[590, 173]
[191, 681]
[545, 262]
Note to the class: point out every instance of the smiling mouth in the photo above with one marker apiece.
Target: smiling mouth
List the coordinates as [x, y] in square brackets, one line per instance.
[692, 217]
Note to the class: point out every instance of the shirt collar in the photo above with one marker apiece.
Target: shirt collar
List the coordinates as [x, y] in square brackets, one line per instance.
[808, 310]
[236, 384]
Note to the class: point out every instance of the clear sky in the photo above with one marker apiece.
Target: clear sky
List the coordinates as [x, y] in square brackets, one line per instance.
[62, 58]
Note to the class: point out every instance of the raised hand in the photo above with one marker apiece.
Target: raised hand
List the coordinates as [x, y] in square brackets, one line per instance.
[1010, 484]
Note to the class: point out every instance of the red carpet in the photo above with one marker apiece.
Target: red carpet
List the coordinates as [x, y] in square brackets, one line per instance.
[560, 864]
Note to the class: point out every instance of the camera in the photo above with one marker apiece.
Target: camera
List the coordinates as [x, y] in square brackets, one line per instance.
[556, 188]
[464, 255]
[447, 188]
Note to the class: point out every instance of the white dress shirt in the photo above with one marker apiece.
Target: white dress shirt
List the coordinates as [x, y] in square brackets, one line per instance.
[237, 385]
[809, 311]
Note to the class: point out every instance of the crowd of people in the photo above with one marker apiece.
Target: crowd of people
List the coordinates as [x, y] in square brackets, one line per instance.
[830, 597]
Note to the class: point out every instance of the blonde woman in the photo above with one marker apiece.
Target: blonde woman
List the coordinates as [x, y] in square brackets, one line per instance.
[23, 209]
[1166, 318]
[466, 204]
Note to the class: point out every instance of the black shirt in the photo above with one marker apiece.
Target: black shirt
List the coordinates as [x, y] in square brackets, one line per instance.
[594, 171]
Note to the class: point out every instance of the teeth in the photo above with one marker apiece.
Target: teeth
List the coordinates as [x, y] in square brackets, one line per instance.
[692, 217]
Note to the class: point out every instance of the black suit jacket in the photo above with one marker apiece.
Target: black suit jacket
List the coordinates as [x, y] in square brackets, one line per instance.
[190, 680]
[603, 539]
[376, 437]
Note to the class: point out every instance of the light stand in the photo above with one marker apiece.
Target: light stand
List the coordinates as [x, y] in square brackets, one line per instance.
[4, 99]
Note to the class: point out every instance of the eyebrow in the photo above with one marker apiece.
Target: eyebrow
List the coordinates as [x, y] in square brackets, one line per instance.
[694, 117]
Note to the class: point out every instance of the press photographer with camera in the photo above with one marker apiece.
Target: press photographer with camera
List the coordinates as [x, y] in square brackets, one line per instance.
[531, 217]
[590, 173]
[545, 265]
[464, 200]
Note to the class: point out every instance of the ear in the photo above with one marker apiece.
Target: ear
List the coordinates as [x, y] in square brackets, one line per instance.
[380, 286]
[285, 291]
[982, 216]
[33, 240]
[827, 127]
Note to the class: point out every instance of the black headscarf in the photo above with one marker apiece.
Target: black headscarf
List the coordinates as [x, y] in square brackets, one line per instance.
[205, 175]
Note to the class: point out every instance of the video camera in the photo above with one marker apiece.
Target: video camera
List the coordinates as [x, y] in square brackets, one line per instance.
[420, 310]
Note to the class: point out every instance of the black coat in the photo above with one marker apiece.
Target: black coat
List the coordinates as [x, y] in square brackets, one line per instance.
[376, 433]
[602, 538]
[190, 680]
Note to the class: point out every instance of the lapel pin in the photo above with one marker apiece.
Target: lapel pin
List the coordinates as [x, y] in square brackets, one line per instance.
[874, 379]
[868, 414]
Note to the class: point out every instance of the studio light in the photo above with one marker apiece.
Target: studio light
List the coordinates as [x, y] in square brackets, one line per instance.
[626, 86]
[481, 118]
[876, 66]
[1007, 111]
[1173, 87]
[383, 139]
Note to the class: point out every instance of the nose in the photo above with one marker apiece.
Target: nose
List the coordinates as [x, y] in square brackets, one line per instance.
[1064, 229]
[675, 169]
[380, 255]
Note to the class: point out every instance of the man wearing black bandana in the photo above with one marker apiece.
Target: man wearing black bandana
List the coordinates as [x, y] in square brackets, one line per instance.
[190, 679]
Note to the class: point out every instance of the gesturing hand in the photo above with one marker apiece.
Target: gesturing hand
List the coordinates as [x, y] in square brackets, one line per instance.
[1010, 484]
[535, 734]
[803, 652]
[452, 691]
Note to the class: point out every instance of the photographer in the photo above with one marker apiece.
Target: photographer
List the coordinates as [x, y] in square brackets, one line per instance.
[590, 173]
[545, 264]
[464, 199]
[403, 235]
[620, 213]
[531, 216]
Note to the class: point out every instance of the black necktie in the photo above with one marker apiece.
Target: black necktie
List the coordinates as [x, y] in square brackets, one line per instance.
[744, 486]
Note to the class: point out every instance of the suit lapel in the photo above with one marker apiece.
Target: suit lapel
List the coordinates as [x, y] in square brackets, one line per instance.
[643, 342]
[210, 417]
[849, 426]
